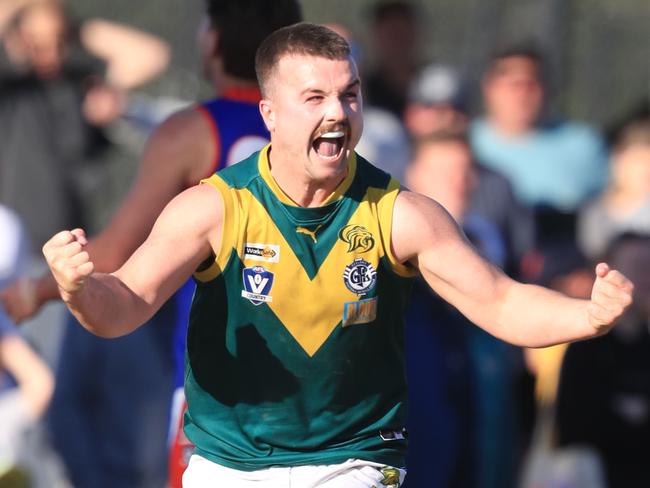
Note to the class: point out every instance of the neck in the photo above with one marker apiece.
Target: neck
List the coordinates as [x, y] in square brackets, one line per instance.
[510, 128]
[303, 190]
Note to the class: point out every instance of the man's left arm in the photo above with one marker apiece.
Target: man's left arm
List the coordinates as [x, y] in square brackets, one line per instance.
[424, 235]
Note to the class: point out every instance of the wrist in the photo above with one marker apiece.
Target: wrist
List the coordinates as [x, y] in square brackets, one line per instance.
[46, 289]
[595, 326]
[27, 289]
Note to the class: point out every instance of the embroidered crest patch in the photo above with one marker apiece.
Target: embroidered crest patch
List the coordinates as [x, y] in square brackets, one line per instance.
[360, 276]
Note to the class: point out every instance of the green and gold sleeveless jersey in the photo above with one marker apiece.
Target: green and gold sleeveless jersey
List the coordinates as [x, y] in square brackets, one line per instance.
[295, 342]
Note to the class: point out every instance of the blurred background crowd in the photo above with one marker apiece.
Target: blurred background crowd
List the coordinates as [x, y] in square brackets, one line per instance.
[527, 119]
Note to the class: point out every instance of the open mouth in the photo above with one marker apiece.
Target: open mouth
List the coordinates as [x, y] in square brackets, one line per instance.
[329, 145]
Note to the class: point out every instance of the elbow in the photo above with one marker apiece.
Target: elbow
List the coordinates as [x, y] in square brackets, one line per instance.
[39, 390]
[110, 332]
[46, 390]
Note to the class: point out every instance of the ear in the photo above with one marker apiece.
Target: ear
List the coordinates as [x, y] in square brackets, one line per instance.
[267, 110]
[208, 39]
[214, 40]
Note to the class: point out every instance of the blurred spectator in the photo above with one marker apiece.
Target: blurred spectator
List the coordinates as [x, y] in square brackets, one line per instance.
[604, 395]
[436, 101]
[394, 36]
[493, 198]
[22, 405]
[26, 382]
[558, 265]
[344, 32]
[443, 170]
[555, 165]
[441, 400]
[14, 247]
[59, 85]
[625, 203]
[638, 112]
[384, 141]
[437, 104]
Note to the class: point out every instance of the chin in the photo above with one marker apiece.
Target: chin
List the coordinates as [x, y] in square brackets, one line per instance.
[326, 173]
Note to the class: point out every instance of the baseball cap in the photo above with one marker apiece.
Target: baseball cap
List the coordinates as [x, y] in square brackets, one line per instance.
[438, 84]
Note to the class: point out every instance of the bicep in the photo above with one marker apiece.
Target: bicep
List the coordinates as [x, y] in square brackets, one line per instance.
[428, 237]
[184, 235]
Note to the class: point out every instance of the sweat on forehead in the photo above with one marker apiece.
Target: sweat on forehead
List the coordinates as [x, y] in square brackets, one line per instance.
[299, 39]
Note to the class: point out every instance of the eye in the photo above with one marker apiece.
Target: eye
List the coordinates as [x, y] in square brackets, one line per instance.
[315, 98]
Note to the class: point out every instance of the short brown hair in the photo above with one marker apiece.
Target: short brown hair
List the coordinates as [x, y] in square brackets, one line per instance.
[302, 39]
[636, 133]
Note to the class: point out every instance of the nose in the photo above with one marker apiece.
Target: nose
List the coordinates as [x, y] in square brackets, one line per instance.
[336, 110]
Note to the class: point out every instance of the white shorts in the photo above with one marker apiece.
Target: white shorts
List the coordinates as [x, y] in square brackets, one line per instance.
[353, 473]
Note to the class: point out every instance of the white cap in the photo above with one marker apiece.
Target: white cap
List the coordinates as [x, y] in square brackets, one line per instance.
[13, 246]
[437, 84]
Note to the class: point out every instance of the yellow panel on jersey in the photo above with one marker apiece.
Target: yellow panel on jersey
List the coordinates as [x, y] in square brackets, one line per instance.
[309, 325]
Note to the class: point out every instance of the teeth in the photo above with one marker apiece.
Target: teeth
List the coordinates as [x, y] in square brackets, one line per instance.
[332, 135]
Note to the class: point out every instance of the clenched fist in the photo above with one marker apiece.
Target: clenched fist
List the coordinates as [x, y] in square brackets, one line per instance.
[70, 264]
[610, 296]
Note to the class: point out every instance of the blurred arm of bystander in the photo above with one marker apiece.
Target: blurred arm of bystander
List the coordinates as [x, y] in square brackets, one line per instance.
[134, 57]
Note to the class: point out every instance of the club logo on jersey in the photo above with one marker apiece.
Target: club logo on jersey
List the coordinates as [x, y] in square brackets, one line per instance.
[360, 276]
[257, 285]
[262, 252]
[360, 312]
[357, 237]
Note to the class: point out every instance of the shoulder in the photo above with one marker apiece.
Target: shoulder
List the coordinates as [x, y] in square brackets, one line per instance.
[575, 132]
[420, 223]
[199, 208]
[184, 123]
[241, 174]
[183, 141]
[412, 205]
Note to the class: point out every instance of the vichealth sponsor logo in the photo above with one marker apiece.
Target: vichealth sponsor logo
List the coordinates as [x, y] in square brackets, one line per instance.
[269, 253]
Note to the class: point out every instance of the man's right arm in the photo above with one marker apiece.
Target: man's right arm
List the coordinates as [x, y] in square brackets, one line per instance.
[177, 155]
[111, 305]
